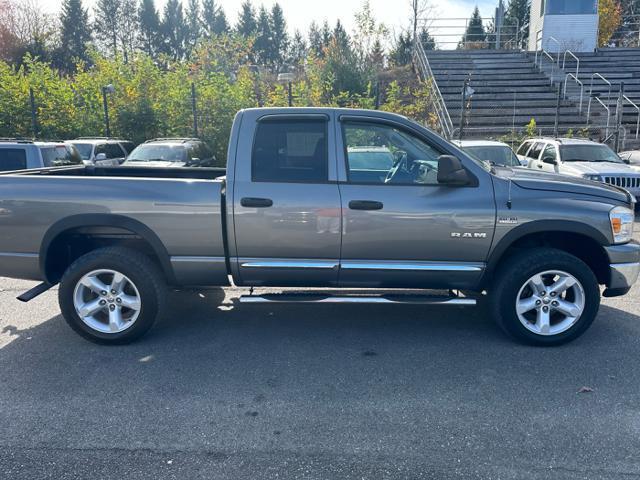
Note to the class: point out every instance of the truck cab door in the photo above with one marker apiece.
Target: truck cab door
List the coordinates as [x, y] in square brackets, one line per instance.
[286, 204]
[403, 229]
[549, 159]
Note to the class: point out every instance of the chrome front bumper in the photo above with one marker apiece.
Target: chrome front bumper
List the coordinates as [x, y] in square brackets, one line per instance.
[624, 269]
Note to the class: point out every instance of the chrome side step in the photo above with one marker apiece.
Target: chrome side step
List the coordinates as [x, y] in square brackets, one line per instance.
[390, 299]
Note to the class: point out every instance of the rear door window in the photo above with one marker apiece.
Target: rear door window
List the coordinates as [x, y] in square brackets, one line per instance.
[59, 155]
[290, 151]
[12, 159]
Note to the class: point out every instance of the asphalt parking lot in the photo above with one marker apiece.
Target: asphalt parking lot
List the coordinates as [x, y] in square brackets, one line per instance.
[219, 390]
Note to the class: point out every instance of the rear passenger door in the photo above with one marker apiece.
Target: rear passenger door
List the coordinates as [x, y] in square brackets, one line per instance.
[286, 203]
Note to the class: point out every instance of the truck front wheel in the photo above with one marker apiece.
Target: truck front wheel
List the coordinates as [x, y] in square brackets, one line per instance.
[112, 295]
[544, 296]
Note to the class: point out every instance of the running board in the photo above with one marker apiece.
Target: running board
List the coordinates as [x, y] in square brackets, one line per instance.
[390, 299]
[34, 292]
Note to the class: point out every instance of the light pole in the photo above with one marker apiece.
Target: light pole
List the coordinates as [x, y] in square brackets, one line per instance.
[106, 89]
[287, 77]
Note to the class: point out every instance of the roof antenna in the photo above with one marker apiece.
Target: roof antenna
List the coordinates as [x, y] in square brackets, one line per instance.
[509, 195]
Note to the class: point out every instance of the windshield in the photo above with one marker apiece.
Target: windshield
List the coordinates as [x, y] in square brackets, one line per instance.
[60, 155]
[162, 153]
[495, 154]
[588, 153]
[84, 149]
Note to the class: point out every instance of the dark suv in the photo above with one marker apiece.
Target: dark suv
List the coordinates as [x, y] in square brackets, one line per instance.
[172, 152]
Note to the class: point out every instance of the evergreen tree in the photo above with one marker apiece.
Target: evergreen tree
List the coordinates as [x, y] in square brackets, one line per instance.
[221, 26]
[516, 17]
[326, 33]
[148, 27]
[75, 34]
[174, 29]
[298, 49]
[402, 51]
[246, 25]
[193, 25]
[475, 29]
[341, 36]
[315, 40]
[377, 56]
[279, 37]
[127, 28]
[262, 44]
[427, 41]
[107, 22]
[213, 19]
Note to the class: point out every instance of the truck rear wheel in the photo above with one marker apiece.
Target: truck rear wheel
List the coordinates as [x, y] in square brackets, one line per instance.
[112, 295]
[544, 296]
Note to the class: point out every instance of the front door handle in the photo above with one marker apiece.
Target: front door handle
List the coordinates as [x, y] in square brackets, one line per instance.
[252, 202]
[539, 166]
[365, 205]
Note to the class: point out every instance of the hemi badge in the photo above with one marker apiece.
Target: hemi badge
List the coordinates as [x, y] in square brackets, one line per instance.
[507, 220]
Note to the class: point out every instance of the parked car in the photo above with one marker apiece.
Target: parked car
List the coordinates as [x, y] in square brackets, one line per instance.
[26, 154]
[631, 158]
[102, 151]
[496, 153]
[172, 152]
[580, 158]
[538, 244]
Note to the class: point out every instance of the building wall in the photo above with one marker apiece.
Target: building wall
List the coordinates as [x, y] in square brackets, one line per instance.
[578, 33]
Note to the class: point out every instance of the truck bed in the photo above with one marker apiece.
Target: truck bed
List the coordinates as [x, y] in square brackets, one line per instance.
[179, 211]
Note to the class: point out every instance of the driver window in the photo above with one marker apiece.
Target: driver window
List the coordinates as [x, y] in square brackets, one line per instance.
[382, 154]
[549, 154]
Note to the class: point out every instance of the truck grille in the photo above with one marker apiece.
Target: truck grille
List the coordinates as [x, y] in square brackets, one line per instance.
[624, 182]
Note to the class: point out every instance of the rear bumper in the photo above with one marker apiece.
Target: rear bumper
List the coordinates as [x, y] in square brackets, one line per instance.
[624, 268]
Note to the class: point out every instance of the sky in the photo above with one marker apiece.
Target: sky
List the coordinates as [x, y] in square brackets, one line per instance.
[300, 13]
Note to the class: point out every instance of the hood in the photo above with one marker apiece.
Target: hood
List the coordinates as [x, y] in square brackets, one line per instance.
[596, 168]
[529, 179]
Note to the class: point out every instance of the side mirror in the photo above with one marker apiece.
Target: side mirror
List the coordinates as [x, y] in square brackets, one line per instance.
[549, 160]
[101, 156]
[451, 171]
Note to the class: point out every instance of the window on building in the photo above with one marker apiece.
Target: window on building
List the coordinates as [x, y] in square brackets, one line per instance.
[570, 7]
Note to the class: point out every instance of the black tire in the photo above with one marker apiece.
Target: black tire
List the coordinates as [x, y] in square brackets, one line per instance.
[140, 269]
[517, 270]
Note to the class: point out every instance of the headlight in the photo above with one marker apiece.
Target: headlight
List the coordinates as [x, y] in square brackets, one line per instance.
[621, 224]
[595, 178]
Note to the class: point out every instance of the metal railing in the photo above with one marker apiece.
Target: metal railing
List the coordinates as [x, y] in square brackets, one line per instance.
[437, 100]
[539, 58]
[608, 110]
[638, 110]
[564, 61]
[452, 33]
[591, 97]
[578, 82]
[557, 42]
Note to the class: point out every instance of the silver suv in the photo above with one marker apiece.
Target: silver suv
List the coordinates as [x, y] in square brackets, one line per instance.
[102, 151]
[26, 154]
[579, 158]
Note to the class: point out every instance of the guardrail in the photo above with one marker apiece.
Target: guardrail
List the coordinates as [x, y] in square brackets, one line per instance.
[437, 101]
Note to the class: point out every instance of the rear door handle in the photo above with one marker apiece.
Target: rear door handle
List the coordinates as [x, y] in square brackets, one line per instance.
[252, 202]
[365, 205]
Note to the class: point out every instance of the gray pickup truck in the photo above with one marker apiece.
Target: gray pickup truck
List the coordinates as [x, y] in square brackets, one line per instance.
[301, 205]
